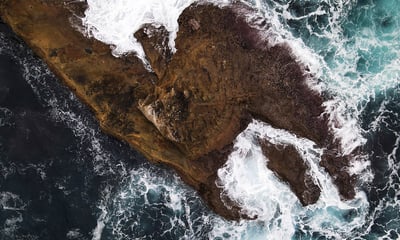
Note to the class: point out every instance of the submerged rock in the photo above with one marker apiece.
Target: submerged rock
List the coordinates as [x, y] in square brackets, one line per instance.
[189, 109]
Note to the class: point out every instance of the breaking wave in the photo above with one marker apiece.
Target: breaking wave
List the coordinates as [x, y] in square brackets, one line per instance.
[352, 49]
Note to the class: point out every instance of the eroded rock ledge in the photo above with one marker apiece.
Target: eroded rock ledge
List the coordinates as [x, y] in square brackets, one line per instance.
[189, 110]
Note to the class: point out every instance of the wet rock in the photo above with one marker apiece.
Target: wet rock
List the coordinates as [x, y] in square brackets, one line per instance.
[158, 52]
[188, 110]
[336, 165]
[288, 165]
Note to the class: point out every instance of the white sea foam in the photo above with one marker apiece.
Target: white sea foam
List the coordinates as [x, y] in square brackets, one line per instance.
[12, 206]
[37, 76]
[147, 194]
[11, 226]
[245, 177]
[350, 87]
[277, 33]
[11, 201]
[343, 124]
[339, 76]
[6, 116]
[246, 167]
[247, 181]
[63, 107]
[115, 21]
[103, 217]
[74, 234]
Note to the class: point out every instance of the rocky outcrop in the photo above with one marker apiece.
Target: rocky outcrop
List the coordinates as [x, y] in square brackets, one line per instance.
[288, 165]
[187, 112]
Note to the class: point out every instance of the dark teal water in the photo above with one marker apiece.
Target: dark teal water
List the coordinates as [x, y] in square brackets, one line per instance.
[52, 174]
[62, 178]
[357, 44]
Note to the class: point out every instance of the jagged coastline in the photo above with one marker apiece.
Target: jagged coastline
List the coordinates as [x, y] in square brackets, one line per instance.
[187, 112]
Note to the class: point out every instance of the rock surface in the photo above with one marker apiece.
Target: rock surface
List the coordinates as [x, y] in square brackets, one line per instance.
[287, 163]
[189, 110]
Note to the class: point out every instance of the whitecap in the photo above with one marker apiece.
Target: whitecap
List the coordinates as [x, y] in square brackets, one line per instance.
[115, 21]
[246, 180]
[12, 202]
[6, 117]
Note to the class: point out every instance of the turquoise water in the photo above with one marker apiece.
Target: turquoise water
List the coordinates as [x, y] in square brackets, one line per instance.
[357, 44]
[93, 187]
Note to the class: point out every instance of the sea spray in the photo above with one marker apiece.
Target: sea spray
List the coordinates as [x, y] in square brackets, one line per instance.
[247, 181]
[115, 21]
[343, 122]
[356, 48]
[127, 17]
[354, 56]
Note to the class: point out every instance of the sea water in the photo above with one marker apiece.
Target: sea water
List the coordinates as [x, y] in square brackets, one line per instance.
[90, 186]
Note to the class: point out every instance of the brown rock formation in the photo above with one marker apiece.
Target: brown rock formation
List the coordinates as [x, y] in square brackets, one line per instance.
[187, 113]
[287, 163]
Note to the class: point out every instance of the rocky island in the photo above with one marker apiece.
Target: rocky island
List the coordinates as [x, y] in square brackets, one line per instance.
[187, 111]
